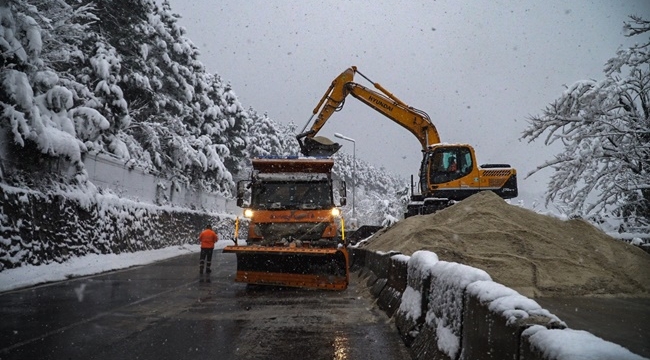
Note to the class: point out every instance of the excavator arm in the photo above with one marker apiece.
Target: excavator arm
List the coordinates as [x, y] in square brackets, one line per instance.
[415, 121]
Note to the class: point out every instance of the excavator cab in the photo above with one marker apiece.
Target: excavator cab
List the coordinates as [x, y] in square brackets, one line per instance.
[449, 173]
[448, 163]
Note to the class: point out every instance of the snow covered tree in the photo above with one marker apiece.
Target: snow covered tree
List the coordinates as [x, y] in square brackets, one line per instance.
[40, 110]
[263, 137]
[118, 77]
[604, 126]
[288, 141]
[378, 195]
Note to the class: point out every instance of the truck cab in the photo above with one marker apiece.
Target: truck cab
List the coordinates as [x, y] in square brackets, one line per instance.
[292, 200]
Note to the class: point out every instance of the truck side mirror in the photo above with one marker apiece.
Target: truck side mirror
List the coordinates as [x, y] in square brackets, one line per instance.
[243, 193]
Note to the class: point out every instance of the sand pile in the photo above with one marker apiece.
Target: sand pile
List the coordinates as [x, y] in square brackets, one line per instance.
[534, 254]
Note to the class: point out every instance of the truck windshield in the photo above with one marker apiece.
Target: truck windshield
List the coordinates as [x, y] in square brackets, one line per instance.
[292, 195]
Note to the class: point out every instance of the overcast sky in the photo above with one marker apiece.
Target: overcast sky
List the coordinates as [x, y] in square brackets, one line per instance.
[478, 68]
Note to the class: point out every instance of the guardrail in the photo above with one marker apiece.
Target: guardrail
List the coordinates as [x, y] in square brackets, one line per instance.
[450, 311]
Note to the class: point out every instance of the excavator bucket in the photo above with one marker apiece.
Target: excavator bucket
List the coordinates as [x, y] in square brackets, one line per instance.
[315, 268]
[318, 146]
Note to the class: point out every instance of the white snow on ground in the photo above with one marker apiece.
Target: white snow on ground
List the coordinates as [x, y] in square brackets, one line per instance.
[30, 275]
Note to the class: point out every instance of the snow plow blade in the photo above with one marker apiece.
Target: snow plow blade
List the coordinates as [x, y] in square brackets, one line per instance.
[314, 268]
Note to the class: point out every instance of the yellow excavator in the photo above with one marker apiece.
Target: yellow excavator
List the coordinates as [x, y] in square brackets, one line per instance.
[294, 237]
[448, 172]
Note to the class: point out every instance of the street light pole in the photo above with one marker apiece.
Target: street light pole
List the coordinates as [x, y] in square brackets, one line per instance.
[354, 172]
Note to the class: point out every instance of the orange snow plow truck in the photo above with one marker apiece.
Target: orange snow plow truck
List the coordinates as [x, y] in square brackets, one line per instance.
[293, 237]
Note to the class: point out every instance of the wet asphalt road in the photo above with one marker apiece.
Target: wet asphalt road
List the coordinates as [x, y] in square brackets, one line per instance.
[166, 311]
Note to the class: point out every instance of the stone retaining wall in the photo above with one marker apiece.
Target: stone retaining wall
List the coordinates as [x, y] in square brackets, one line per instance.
[38, 228]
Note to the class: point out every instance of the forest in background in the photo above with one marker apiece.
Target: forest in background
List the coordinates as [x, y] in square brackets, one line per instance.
[121, 77]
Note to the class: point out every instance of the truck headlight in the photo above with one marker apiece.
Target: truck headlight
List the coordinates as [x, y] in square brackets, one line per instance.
[336, 212]
[248, 213]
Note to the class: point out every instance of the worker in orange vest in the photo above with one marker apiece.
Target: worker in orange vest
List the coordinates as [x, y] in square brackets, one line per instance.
[207, 238]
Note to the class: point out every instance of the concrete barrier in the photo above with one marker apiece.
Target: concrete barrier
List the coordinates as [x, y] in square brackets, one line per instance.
[379, 265]
[390, 297]
[445, 310]
[495, 317]
[357, 259]
[409, 318]
[451, 311]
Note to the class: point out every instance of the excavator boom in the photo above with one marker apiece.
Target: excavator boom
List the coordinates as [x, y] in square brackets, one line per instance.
[413, 120]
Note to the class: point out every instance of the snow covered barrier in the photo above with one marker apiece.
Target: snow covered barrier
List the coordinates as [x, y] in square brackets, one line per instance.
[409, 318]
[390, 296]
[440, 338]
[495, 317]
[452, 311]
[540, 343]
[378, 264]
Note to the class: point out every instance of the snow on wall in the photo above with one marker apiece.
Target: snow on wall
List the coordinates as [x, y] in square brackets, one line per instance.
[419, 268]
[38, 228]
[568, 344]
[508, 302]
[108, 172]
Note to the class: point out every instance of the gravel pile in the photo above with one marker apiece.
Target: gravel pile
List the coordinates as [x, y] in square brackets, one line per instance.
[534, 254]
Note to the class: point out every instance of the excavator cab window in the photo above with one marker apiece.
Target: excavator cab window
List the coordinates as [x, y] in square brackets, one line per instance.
[465, 164]
[449, 163]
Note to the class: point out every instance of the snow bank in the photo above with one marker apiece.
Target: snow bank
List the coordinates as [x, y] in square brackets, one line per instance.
[30, 275]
